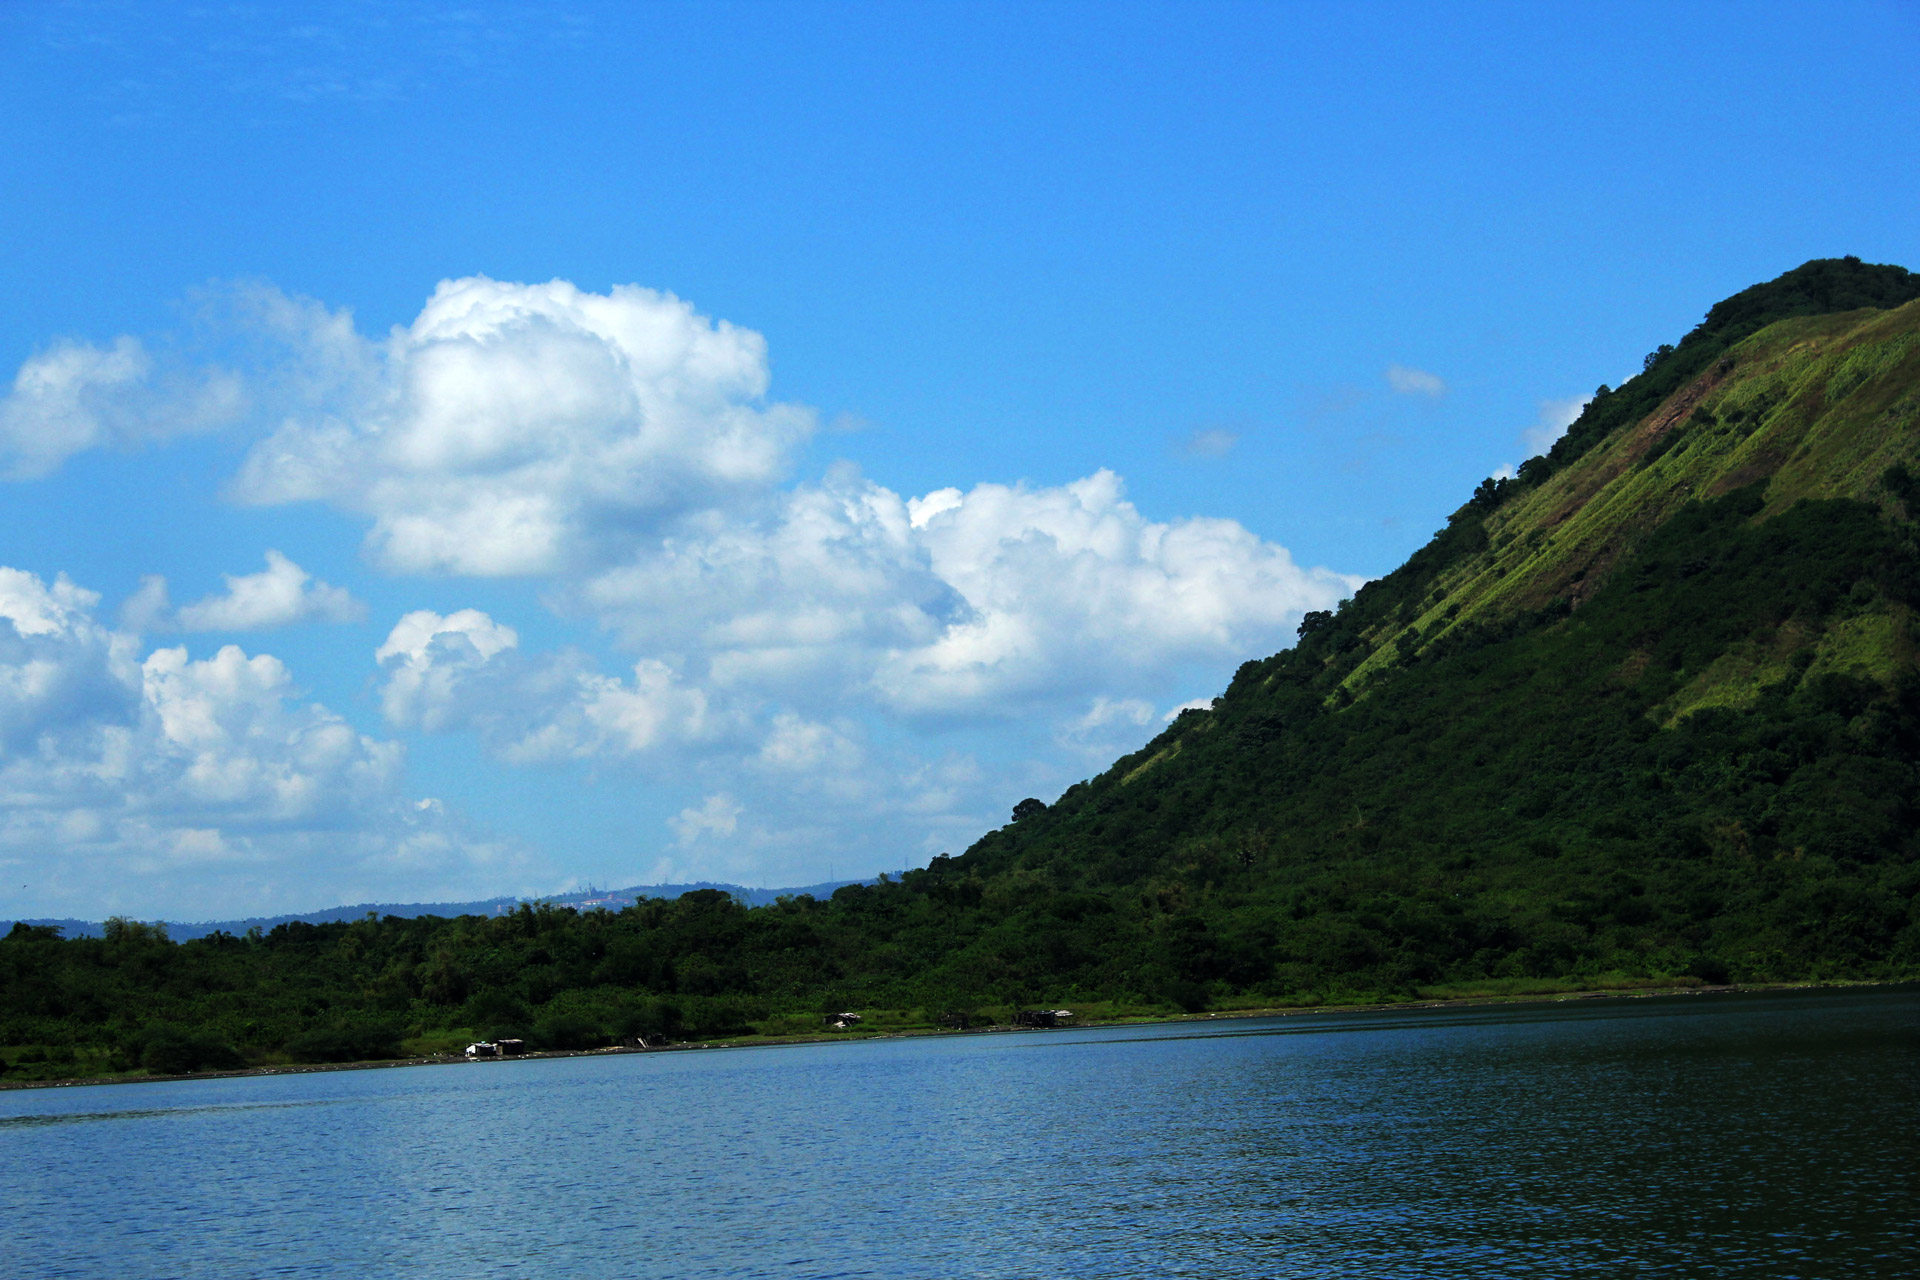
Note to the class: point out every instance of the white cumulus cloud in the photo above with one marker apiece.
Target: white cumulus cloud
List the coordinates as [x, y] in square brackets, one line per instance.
[1069, 590]
[784, 643]
[235, 741]
[278, 596]
[75, 396]
[802, 598]
[465, 671]
[512, 427]
[999, 600]
[123, 779]
[426, 656]
[61, 673]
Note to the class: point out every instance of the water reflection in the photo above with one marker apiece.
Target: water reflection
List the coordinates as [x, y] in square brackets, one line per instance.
[142, 1113]
[1717, 1136]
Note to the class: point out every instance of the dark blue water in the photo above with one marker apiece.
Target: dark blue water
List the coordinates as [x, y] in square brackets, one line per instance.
[1752, 1136]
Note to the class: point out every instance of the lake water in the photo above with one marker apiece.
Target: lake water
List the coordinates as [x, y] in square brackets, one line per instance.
[1728, 1135]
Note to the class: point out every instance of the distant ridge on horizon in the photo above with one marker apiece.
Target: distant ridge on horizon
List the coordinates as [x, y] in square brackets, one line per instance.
[184, 931]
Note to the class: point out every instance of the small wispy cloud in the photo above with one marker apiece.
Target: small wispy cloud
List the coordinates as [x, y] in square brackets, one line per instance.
[281, 595]
[719, 816]
[1108, 724]
[1408, 381]
[1213, 442]
[75, 396]
[1195, 704]
[1555, 417]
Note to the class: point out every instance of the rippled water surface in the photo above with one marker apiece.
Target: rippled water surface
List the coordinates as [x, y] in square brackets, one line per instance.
[1739, 1135]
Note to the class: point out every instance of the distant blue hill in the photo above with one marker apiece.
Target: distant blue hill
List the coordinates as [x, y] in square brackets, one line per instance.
[612, 899]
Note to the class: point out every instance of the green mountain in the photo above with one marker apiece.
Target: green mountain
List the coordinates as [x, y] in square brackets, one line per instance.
[1649, 708]
[1646, 712]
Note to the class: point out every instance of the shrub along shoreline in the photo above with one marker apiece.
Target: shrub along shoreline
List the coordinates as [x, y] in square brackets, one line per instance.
[863, 1033]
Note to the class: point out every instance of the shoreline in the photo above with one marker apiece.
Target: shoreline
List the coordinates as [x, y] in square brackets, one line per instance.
[781, 1042]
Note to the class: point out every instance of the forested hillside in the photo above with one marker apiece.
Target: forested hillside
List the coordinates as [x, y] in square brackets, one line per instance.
[1650, 707]
[1648, 711]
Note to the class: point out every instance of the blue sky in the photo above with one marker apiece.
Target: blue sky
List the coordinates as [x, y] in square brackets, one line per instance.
[758, 442]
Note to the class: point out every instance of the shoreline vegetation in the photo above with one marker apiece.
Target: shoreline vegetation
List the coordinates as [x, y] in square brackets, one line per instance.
[864, 1032]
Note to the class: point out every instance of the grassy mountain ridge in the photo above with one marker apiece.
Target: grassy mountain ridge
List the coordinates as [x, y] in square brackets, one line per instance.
[1817, 408]
[1648, 707]
[1815, 405]
[1823, 286]
[1648, 711]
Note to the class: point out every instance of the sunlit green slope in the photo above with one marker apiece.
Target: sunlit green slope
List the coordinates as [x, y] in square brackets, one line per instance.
[1816, 408]
[1650, 707]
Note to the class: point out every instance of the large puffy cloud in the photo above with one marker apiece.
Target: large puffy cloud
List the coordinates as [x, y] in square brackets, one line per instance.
[785, 645]
[620, 443]
[1070, 590]
[122, 780]
[513, 428]
[992, 601]
[803, 599]
[847, 607]
[231, 741]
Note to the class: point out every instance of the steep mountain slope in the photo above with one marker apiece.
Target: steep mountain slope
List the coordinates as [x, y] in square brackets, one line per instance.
[1815, 408]
[1649, 708]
